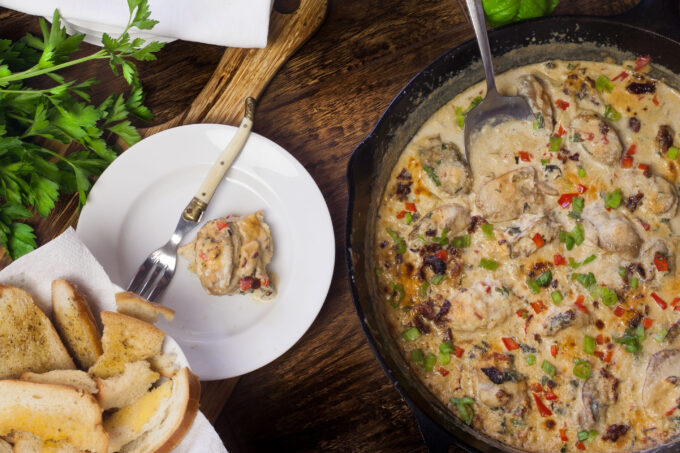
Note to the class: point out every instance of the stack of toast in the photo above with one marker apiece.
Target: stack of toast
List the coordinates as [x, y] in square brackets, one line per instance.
[66, 387]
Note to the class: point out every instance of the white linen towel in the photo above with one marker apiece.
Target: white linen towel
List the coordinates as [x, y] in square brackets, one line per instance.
[231, 23]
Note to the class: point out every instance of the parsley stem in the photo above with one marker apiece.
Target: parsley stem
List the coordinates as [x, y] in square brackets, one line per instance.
[29, 73]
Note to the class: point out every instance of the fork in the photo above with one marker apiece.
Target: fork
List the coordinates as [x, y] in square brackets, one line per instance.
[155, 273]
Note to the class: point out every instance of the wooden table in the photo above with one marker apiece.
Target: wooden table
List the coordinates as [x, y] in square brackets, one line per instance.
[328, 391]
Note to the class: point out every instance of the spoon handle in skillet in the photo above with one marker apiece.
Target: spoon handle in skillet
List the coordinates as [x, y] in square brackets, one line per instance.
[479, 24]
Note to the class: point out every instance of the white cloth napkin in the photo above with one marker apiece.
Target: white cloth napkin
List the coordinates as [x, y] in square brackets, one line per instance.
[67, 257]
[231, 23]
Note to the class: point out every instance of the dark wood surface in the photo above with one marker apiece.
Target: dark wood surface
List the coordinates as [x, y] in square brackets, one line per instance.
[328, 391]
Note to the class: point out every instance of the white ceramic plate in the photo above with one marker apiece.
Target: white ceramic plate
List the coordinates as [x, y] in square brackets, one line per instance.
[134, 207]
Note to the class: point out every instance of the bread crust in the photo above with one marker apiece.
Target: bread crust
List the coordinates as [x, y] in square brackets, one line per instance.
[131, 304]
[189, 414]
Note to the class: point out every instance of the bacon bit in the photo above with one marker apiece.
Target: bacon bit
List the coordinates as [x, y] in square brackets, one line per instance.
[553, 350]
[563, 435]
[647, 323]
[581, 188]
[562, 104]
[538, 240]
[559, 260]
[536, 387]
[599, 339]
[526, 323]
[655, 100]
[566, 199]
[580, 445]
[522, 313]
[525, 156]
[599, 354]
[661, 262]
[550, 396]
[401, 215]
[443, 371]
[221, 225]
[538, 306]
[631, 150]
[621, 76]
[608, 357]
[542, 408]
[641, 62]
[510, 344]
[442, 255]
[670, 412]
[619, 311]
[626, 162]
[458, 351]
[659, 301]
[560, 131]
[410, 207]
[579, 303]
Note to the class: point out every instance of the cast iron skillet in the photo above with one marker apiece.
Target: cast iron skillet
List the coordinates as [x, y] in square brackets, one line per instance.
[651, 28]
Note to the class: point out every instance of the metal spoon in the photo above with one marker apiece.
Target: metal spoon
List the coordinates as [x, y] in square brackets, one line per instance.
[495, 108]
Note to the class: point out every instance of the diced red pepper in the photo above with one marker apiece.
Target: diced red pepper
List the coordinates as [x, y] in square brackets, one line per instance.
[670, 412]
[559, 260]
[542, 408]
[560, 131]
[581, 188]
[510, 344]
[443, 371]
[458, 351]
[580, 445]
[566, 199]
[562, 104]
[675, 302]
[661, 262]
[550, 396]
[599, 354]
[401, 215]
[643, 167]
[619, 311]
[553, 350]
[522, 313]
[221, 225]
[608, 357]
[246, 283]
[621, 76]
[525, 156]
[442, 255]
[641, 62]
[536, 387]
[410, 207]
[579, 303]
[631, 150]
[647, 323]
[627, 162]
[659, 301]
[599, 339]
[538, 240]
[563, 435]
[538, 306]
[655, 100]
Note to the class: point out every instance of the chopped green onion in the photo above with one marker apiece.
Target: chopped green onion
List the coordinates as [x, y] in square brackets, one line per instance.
[576, 138]
[611, 114]
[589, 345]
[487, 229]
[446, 346]
[409, 218]
[488, 264]
[422, 239]
[534, 286]
[583, 435]
[631, 340]
[592, 434]
[464, 410]
[578, 233]
[545, 162]
[581, 173]
[633, 283]
[640, 332]
[411, 334]
[397, 295]
[418, 357]
[503, 290]
[442, 240]
[461, 242]
[661, 335]
[548, 368]
[539, 122]
[589, 259]
[556, 297]
[586, 280]
[437, 279]
[444, 358]
[622, 272]
[555, 143]
[422, 292]
[613, 200]
[582, 369]
[430, 360]
[531, 359]
[604, 84]
[460, 117]
[577, 204]
[400, 243]
[673, 153]
[433, 176]
[545, 278]
[608, 296]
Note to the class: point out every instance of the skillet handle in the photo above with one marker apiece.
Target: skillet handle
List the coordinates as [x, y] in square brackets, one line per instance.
[660, 16]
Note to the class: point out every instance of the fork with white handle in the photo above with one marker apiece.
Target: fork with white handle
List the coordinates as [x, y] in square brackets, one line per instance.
[155, 273]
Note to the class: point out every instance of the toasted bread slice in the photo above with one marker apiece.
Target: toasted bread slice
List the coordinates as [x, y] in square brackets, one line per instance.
[75, 323]
[158, 420]
[28, 341]
[54, 413]
[126, 339]
[165, 364]
[30, 443]
[131, 304]
[74, 378]
[126, 388]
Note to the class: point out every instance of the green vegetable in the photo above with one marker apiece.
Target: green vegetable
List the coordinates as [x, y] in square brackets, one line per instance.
[589, 345]
[611, 114]
[613, 200]
[555, 143]
[530, 359]
[437, 279]
[422, 292]
[418, 357]
[433, 176]
[575, 264]
[582, 369]
[399, 242]
[581, 173]
[586, 435]
[586, 280]
[32, 173]
[429, 362]
[672, 153]
[409, 218]
[443, 239]
[539, 122]
[460, 114]
[608, 296]
[461, 242]
[488, 264]
[661, 335]
[464, 408]
[445, 350]
[575, 237]
[487, 229]
[556, 297]
[633, 283]
[604, 84]
[501, 12]
[631, 339]
[576, 138]
[446, 347]
[545, 162]
[411, 334]
[577, 205]
[622, 272]
[534, 286]
[548, 368]
[545, 278]
[397, 295]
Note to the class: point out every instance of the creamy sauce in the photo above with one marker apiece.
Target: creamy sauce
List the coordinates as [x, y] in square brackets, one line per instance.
[536, 286]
